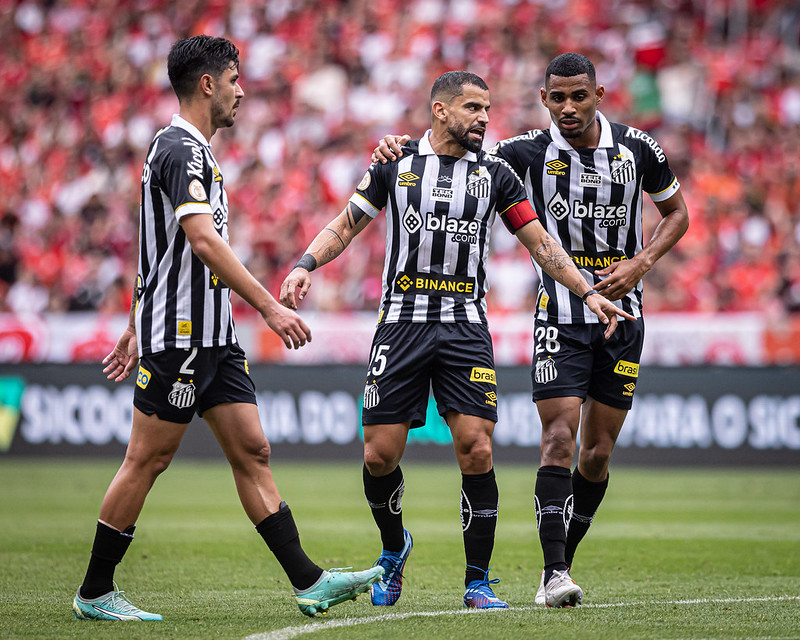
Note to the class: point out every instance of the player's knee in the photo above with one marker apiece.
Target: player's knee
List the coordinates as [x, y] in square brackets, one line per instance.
[380, 463]
[557, 445]
[594, 460]
[151, 465]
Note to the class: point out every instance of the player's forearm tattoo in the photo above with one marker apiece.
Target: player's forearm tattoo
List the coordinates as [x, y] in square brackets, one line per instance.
[354, 215]
[552, 257]
[330, 252]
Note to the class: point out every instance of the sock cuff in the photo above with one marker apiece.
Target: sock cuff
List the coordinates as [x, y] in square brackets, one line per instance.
[110, 544]
[474, 478]
[278, 528]
[552, 471]
[579, 479]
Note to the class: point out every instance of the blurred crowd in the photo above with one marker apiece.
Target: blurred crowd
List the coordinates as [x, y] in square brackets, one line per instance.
[83, 89]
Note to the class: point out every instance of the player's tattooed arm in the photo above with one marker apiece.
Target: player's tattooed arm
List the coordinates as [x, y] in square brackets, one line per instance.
[329, 244]
[551, 257]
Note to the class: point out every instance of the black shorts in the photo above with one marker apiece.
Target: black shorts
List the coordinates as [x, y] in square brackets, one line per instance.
[576, 360]
[176, 383]
[456, 359]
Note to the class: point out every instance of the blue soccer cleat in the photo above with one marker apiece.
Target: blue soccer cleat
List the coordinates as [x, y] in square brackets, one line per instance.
[386, 592]
[479, 595]
[111, 606]
[335, 586]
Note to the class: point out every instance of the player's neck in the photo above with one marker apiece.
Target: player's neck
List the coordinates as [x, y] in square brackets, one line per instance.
[443, 145]
[589, 139]
[199, 117]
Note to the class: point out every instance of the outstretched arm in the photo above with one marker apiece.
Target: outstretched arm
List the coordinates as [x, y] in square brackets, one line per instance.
[555, 261]
[621, 277]
[329, 243]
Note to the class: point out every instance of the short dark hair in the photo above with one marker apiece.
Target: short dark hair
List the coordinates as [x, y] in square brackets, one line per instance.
[190, 58]
[451, 84]
[570, 64]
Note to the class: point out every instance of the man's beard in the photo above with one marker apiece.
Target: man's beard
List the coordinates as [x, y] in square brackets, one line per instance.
[461, 135]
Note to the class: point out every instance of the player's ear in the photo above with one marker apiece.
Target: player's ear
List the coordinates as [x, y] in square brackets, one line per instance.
[207, 84]
[600, 92]
[439, 110]
[543, 93]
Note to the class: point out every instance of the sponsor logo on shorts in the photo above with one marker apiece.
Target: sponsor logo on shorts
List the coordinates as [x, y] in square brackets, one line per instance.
[480, 374]
[182, 394]
[433, 284]
[371, 396]
[143, 377]
[546, 371]
[625, 368]
[629, 389]
[407, 179]
[491, 398]
[184, 327]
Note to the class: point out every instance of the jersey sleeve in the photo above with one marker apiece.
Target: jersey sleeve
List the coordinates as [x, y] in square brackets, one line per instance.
[512, 152]
[512, 205]
[658, 179]
[372, 192]
[186, 177]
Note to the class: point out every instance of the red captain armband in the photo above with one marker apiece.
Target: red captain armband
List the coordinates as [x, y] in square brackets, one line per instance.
[518, 215]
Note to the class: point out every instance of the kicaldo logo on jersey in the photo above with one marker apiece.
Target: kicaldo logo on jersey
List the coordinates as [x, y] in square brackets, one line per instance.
[462, 230]
[480, 374]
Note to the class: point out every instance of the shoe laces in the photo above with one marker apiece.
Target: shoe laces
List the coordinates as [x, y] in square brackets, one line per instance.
[483, 584]
[120, 602]
[391, 566]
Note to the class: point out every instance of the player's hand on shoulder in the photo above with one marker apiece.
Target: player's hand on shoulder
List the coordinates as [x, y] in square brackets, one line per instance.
[389, 149]
[619, 278]
[288, 325]
[295, 287]
[124, 358]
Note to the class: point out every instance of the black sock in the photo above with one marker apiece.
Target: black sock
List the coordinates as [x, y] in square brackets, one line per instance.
[385, 497]
[479, 498]
[280, 533]
[587, 497]
[553, 498]
[108, 549]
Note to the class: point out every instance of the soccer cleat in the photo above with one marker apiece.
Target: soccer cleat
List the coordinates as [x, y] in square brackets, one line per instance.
[540, 597]
[335, 586]
[479, 595]
[561, 591]
[111, 606]
[385, 592]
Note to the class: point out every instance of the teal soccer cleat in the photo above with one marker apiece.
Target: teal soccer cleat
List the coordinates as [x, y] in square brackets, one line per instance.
[479, 595]
[335, 586]
[386, 592]
[111, 606]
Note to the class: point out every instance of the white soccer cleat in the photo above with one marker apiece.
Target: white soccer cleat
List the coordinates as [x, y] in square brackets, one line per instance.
[561, 591]
[540, 597]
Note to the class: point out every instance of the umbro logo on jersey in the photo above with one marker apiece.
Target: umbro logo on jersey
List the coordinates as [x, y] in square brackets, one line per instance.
[556, 168]
[407, 179]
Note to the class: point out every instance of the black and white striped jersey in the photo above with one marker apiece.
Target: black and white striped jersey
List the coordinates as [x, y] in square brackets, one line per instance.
[181, 302]
[439, 215]
[590, 201]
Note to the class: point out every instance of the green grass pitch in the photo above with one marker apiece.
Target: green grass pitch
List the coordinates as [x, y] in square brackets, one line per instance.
[673, 553]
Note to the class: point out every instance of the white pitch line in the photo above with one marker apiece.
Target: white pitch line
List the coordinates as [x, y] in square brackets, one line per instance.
[287, 633]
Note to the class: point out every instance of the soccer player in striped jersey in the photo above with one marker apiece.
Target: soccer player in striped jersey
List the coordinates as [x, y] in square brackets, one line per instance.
[440, 200]
[182, 335]
[585, 177]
